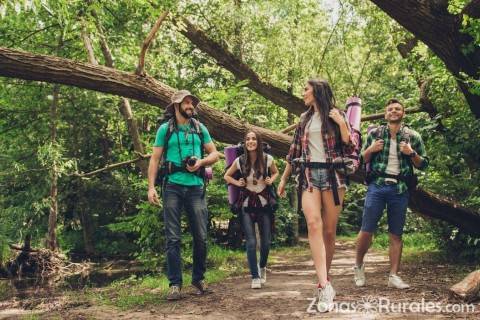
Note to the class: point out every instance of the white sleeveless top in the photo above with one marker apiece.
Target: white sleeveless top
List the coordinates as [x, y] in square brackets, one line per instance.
[315, 139]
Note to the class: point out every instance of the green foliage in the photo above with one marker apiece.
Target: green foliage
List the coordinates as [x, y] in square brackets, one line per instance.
[148, 228]
[350, 218]
[352, 44]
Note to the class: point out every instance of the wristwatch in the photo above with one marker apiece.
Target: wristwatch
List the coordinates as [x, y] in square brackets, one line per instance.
[412, 154]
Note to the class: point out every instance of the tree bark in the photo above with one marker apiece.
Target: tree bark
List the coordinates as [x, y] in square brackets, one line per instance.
[440, 30]
[223, 127]
[239, 69]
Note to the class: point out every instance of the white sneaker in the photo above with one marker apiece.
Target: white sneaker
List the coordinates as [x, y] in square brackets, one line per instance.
[397, 282]
[256, 283]
[325, 298]
[262, 272]
[359, 275]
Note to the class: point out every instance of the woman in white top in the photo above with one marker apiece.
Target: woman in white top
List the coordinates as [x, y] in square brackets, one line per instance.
[322, 136]
[257, 173]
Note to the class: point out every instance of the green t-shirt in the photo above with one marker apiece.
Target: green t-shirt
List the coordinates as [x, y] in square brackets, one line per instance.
[189, 146]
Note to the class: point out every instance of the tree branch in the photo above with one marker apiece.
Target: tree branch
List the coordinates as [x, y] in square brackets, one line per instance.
[146, 44]
[124, 106]
[111, 167]
[87, 44]
[239, 69]
[440, 30]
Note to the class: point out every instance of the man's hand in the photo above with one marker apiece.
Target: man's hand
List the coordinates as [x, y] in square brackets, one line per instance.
[377, 146]
[153, 196]
[406, 148]
[198, 165]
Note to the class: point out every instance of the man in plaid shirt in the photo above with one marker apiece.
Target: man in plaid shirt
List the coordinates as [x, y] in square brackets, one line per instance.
[391, 151]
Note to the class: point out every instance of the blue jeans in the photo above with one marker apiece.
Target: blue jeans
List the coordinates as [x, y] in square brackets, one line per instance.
[264, 225]
[175, 197]
[379, 197]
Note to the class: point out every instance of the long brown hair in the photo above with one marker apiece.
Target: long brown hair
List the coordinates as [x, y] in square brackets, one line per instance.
[325, 101]
[259, 165]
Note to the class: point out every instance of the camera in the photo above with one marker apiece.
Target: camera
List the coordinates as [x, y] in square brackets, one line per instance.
[190, 161]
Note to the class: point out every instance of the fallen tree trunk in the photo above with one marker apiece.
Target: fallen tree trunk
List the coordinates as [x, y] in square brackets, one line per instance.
[469, 288]
[223, 127]
[28, 66]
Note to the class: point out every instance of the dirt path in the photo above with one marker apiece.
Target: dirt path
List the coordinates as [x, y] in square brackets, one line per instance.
[290, 287]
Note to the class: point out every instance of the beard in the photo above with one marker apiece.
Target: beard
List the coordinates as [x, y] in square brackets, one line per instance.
[185, 114]
[396, 121]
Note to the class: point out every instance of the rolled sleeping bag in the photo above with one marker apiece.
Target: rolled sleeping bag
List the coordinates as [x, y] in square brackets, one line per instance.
[231, 153]
[354, 112]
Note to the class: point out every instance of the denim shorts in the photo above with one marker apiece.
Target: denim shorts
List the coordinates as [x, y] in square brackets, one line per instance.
[320, 179]
[381, 196]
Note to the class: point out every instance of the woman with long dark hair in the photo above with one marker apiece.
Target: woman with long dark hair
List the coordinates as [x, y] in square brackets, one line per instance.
[257, 173]
[322, 137]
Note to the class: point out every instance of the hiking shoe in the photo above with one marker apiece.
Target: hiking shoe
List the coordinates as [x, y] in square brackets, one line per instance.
[201, 287]
[395, 281]
[174, 293]
[262, 272]
[325, 298]
[359, 275]
[256, 283]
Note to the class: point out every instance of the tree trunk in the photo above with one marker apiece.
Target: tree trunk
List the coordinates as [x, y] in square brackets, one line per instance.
[52, 242]
[223, 127]
[440, 30]
[469, 288]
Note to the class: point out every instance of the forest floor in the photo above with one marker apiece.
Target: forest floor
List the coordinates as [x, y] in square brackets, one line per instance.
[289, 292]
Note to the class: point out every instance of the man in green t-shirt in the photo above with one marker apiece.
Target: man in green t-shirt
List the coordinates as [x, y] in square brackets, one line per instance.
[179, 144]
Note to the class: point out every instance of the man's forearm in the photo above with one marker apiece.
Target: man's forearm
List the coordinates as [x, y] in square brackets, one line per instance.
[152, 173]
[417, 161]
[210, 159]
[367, 155]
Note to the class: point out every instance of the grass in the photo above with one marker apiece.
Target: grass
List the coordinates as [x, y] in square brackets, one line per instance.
[152, 289]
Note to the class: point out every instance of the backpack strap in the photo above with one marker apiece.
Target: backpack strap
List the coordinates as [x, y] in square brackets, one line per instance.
[266, 170]
[196, 125]
[241, 162]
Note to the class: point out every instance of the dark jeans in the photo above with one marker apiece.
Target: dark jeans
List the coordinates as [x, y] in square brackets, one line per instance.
[264, 224]
[175, 197]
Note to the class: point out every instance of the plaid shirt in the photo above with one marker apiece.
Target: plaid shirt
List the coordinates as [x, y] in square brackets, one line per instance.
[299, 147]
[379, 161]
